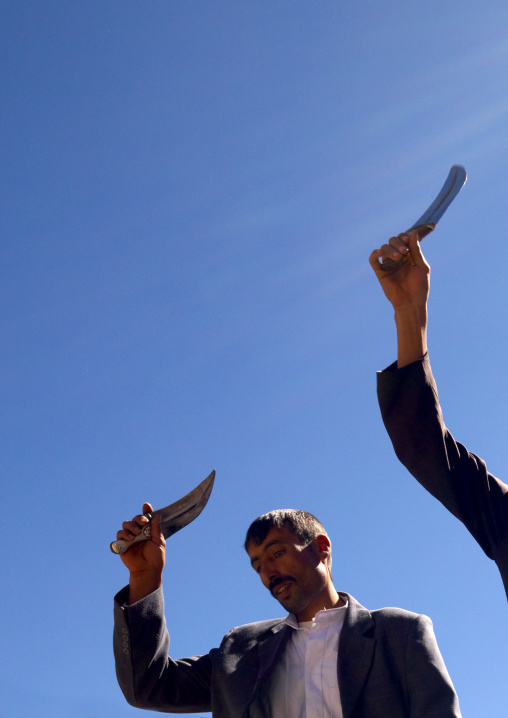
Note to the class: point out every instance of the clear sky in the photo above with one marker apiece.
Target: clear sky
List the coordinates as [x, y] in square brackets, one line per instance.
[190, 194]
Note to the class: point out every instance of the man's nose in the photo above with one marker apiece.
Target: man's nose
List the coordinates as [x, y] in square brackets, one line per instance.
[268, 573]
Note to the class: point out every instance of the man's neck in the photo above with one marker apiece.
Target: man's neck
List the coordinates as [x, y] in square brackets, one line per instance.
[326, 600]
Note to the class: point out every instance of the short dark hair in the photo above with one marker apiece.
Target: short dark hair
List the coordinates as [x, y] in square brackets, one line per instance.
[304, 525]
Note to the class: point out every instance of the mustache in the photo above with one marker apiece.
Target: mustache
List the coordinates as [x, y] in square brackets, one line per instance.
[277, 582]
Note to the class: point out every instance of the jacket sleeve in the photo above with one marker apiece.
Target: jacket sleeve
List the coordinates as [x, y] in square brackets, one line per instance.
[412, 416]
[430, 690]
[148, 677]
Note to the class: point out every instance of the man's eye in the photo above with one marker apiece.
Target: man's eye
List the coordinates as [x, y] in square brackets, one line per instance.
[258, 569]
[279, 553]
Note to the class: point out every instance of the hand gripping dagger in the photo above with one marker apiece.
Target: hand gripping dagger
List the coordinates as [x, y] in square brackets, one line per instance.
[427, 222]
[173, 517]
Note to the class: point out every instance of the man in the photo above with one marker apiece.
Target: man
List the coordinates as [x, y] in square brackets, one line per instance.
[411, 413]
[330, 657]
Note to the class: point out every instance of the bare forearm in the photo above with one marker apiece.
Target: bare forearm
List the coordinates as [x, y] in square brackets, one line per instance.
[411, 323]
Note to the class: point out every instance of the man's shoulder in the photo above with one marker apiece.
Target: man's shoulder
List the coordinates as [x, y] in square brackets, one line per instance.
[385, 616]
[397, 614]
[258, 627]
[395, 623]
[392, 627]
[251, 633]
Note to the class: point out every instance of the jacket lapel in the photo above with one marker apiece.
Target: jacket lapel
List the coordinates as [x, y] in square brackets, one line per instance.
[356, 650]
[270, 647]
[269, 650]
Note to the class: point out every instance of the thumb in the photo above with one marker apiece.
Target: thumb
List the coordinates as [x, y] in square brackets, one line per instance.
[416, 252]
[374, 262]
[156, 531]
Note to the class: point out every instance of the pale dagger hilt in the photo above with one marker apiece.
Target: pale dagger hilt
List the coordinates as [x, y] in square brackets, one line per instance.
[121, 546]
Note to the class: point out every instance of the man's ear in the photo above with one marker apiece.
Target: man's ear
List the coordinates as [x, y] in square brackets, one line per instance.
[324, 546]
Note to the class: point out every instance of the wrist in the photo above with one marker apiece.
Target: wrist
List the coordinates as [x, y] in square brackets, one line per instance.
[143, 584]
[411, 323]
[411, 316]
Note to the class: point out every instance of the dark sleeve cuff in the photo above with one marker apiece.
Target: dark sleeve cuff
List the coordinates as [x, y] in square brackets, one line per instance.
[417, 365]
[393, 383]
[153, 603]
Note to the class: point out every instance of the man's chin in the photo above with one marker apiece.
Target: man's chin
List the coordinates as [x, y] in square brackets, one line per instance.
[292, 604]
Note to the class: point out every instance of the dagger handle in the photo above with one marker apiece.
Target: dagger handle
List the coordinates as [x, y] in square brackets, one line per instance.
[423, 230]
[121, 546]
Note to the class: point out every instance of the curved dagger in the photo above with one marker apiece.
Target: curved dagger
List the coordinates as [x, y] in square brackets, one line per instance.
[427, 222]
[173, 517]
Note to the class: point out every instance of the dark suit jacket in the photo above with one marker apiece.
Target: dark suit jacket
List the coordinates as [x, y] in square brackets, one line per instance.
[412, 416]
[389, 665]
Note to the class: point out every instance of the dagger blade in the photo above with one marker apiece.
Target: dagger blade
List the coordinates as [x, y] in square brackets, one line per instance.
[175, 516]
[425, 224]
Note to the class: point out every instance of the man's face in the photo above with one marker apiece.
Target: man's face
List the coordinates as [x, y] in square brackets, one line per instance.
[294, 574]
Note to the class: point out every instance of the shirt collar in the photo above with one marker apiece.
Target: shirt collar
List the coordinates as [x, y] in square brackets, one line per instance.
[325, 617]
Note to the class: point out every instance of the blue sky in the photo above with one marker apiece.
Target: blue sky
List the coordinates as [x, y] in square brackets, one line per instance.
[190, 194]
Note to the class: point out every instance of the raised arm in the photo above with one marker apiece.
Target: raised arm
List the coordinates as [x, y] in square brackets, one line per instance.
[409, 404]
[148, 677]
[406, 286]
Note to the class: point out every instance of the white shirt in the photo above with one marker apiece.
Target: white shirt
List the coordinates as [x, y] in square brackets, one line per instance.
[304, 683]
